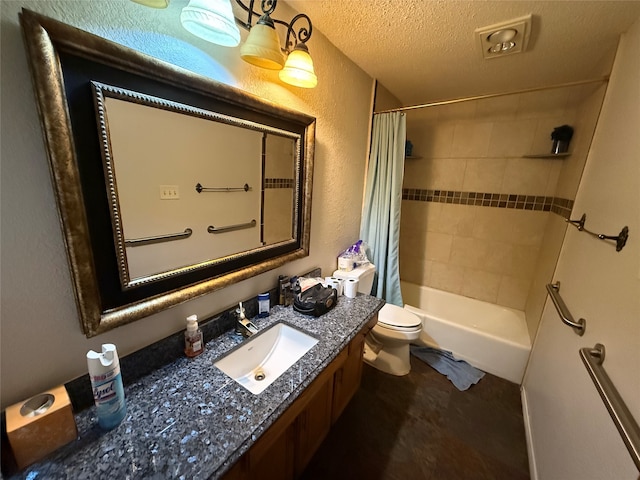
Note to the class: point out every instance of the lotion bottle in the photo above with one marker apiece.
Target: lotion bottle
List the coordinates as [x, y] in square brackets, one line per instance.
[193, 340]
[106, 382]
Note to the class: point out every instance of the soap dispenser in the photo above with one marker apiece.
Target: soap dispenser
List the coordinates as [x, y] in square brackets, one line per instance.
[193, 341]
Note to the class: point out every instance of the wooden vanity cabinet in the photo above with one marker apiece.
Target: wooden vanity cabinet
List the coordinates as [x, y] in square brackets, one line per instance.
[285, 449]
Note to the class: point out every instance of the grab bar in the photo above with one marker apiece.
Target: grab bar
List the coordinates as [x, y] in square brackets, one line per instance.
[229, 228]
[620, 414]
[200, 188]
[554, 292]
[620, 239]
[139, 242]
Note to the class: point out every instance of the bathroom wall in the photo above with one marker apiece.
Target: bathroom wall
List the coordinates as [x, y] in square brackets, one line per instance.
[42, 344]
[474, 211]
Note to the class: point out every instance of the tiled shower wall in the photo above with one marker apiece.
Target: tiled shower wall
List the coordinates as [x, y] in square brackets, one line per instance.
[474, 211]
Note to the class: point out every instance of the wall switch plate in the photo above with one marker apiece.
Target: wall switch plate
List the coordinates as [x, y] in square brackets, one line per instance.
[169, 192]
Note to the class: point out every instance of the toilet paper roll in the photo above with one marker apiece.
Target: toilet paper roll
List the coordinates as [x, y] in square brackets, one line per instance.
[334, 282]
[351, 288]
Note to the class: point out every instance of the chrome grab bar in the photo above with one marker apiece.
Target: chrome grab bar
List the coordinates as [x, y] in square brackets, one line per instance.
[229, 228]
[566, 317]
[620, 414]
[139, 242]
[244, 188]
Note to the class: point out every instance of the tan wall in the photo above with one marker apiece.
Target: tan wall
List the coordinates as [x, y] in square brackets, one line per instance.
[486, 252]
[42, 344]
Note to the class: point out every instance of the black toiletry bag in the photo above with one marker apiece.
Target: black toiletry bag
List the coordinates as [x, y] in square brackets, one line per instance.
[316, 300]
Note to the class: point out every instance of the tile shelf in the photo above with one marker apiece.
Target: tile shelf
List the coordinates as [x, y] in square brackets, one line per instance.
[547, 155]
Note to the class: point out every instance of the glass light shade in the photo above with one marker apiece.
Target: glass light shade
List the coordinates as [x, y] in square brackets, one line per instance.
[262, 48]
[211, 20]
[153, 3]
[298, 71]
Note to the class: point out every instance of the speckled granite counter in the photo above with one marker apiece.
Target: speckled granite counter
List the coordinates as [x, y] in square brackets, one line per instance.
[188, 420]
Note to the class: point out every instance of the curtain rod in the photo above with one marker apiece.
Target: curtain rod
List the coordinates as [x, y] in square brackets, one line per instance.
[492, 95]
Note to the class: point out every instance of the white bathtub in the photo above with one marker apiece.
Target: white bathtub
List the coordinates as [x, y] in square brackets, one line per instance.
[492, 338]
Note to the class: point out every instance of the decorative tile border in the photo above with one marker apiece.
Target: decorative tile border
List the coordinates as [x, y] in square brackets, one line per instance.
[278, 183]
[560, 206]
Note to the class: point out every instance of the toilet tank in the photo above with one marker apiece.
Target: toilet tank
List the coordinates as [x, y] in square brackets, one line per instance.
[364, 274]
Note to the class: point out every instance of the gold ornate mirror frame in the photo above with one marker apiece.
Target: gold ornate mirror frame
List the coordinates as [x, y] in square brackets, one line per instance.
[62, 88]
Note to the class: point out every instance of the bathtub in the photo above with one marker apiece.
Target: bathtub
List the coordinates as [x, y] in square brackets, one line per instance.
[492, 338]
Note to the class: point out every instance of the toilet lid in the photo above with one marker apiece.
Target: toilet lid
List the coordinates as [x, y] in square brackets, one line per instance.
[394, 316]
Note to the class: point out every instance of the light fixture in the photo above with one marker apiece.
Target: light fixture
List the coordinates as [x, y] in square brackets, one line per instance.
[502, 40]
[211, 20]
[262, 47]
[214, 21]
[298, 71]
[505, 38]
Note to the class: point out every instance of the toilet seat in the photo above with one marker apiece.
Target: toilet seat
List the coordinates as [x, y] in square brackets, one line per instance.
[397, 318]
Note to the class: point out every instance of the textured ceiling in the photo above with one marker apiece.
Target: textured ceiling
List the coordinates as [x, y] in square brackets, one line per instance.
[425, 50]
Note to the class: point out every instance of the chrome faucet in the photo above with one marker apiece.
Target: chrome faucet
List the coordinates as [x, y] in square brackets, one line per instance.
[244, 326]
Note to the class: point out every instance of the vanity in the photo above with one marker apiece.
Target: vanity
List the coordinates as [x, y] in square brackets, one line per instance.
[190, 420]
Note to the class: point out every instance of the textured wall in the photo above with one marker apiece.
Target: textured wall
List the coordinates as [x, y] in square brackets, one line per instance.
[42, 344]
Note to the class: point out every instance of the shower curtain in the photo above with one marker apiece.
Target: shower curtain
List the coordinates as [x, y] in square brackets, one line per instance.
[380, 227]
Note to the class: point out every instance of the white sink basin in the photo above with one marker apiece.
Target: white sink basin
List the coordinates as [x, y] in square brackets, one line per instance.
[261, 359]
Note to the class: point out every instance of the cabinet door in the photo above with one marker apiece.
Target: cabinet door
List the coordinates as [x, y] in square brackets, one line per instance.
[271, 457]
[347, 378]
[313, 424]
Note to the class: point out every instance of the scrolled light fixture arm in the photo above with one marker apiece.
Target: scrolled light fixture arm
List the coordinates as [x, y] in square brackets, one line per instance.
[303, 35]
[268, 7]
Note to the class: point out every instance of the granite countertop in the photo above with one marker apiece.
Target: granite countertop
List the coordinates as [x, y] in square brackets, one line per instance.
[188, 420]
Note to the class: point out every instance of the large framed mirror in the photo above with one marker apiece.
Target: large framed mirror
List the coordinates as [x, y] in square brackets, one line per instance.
[169, 185]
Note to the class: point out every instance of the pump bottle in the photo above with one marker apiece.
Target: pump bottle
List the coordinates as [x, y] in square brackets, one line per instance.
[193, 341]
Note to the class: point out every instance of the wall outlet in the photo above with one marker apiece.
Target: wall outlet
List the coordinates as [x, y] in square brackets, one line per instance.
[169, 192]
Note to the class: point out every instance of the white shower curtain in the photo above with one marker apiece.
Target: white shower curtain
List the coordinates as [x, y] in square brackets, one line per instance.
[380, 227]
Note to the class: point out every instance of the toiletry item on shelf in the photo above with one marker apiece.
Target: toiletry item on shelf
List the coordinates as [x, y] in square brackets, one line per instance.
[263, 305]
[106, 381]
[193, 340]
[40, 425]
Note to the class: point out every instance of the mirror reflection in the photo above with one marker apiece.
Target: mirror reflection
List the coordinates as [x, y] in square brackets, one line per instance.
[190, 187]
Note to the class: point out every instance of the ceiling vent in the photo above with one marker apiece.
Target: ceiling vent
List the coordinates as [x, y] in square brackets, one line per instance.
[504, 38]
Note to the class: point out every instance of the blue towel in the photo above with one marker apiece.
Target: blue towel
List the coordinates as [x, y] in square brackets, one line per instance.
[461, 374]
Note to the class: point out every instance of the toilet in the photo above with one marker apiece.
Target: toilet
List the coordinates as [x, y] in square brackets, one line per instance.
[387, 344]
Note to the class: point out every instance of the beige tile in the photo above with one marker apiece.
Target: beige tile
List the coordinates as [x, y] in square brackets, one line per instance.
[524, 260]
[512, 139]
[513, 292]
[413, 243]
[554, 177]
[417, 173]
[471, 139]
[517, 227]
[457, 111]
[446, 173]
[415, 270]
[466, 251]
[456, 219]
[527, 176]
[436, 141]
[438, 246]
[545, 103]
[481, 285]
[445, 276]
[497, 109]
[484, 174]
